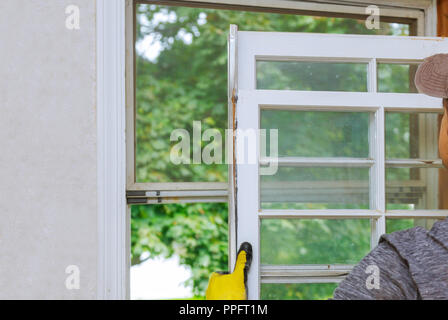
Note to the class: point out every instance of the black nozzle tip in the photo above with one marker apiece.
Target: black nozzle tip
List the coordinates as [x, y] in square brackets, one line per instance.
[247, 247]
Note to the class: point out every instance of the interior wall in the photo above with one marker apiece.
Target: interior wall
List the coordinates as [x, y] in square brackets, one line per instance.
[48, 156]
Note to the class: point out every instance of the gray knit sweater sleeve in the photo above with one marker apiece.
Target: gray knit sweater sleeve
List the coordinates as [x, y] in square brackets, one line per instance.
[395, 281]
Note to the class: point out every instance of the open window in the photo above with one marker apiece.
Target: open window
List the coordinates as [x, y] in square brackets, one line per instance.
[357, 151]
[313, 177]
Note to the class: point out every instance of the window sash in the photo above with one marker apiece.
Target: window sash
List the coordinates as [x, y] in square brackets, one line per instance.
[420, 15]
[252, 46]
[389, 13]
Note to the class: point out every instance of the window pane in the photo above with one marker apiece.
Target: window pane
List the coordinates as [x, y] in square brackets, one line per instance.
[314, 241]
[195, 235]
[181, 76]
[311, 76]
[393, 77]
[411, 135]
[294, 291]
[318, 134]
[393, 225]
[414, 188]
[316, 188]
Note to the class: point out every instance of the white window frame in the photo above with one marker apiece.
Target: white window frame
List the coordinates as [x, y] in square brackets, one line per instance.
[115, 81]
[277, 46]
[113, 218]
[150, 192]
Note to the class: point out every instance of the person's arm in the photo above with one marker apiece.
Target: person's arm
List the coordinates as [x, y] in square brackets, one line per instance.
[394, 279]
[443, 135]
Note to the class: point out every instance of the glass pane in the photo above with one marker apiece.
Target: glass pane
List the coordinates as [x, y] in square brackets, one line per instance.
[311, 76]
[393, 77]
[393, 225]
[415, 188]
[294, 291]
[318, 134]
[314, 241]
[181, 76]
[411, 135]
[175, 248]
[316, 188]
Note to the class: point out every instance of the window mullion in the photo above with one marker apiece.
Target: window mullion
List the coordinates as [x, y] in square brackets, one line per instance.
[377, 175]
[377, 171]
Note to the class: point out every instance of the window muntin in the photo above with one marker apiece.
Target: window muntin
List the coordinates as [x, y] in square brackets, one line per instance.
[254, 101]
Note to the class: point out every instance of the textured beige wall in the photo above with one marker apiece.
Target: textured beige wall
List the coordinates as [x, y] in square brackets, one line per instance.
[48, 196]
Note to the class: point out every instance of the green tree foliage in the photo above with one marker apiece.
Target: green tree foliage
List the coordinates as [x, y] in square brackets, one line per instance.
[196, 233]
[187, 81]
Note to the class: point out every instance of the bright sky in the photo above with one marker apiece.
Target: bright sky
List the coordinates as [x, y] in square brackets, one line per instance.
[159, 279]
[150, 47]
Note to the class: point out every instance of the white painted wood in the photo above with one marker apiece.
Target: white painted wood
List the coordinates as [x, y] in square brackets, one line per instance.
[319, 214]
[113, 236]
[377, 174]
[231, 114]
[351, 162]
[356, 184]
[130, 132]
[377, 171]
[302, 280]
[318, 162]
[342, 101]
[305, 269]
[253, 46]
[297, 46]
[248, 197]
